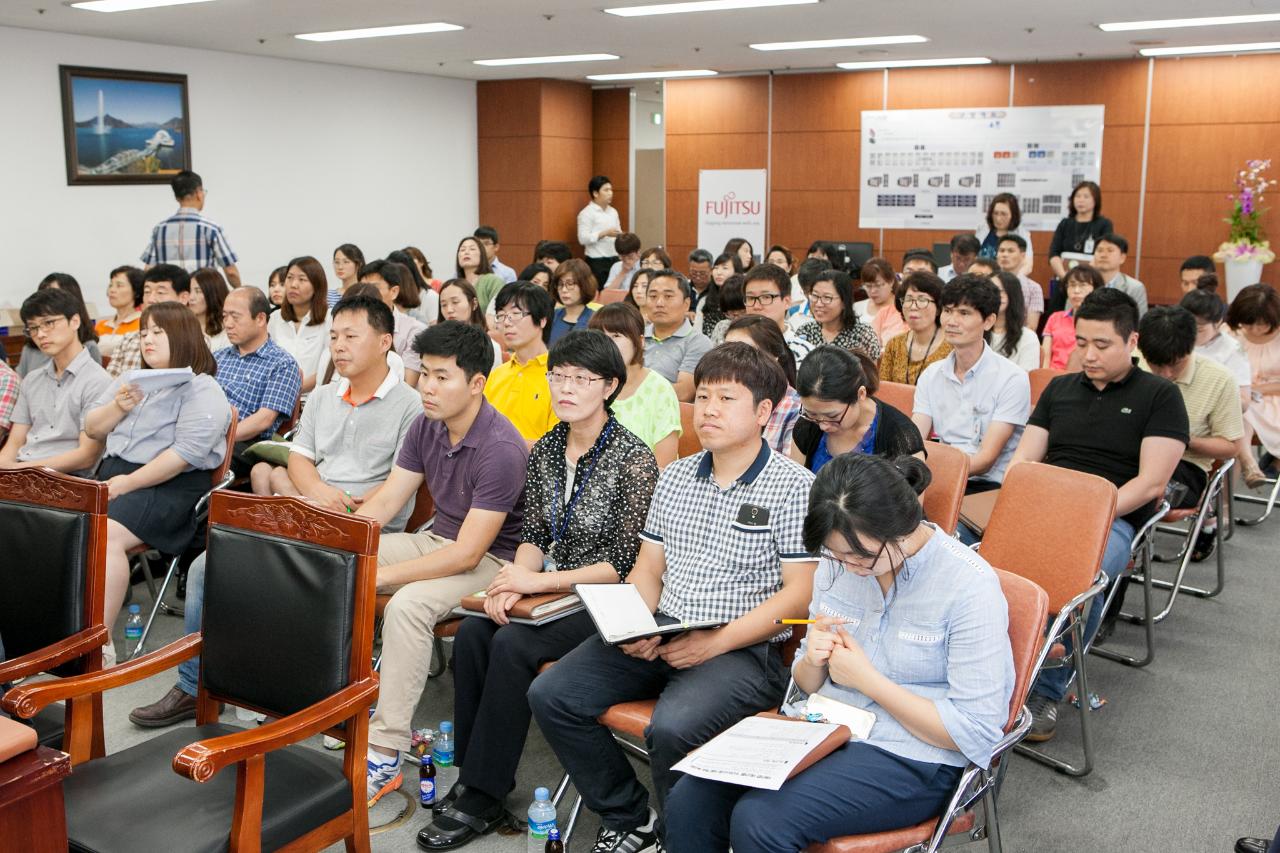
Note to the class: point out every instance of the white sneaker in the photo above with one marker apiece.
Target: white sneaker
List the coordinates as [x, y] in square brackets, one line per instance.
[384, 774]
[108, 654]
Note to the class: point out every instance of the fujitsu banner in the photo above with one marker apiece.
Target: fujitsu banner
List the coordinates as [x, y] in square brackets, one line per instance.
[731, 203]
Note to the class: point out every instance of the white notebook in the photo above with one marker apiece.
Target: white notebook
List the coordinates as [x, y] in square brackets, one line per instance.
[621, 615]
[153, 380]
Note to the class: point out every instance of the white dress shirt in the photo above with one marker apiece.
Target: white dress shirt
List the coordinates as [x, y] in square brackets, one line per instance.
[593, 220]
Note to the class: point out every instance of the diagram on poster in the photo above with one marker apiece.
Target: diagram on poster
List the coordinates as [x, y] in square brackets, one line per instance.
[940, 168]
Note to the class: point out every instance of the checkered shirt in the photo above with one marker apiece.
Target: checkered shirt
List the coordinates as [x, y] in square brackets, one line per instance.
[267, 378]
[782, 423]
[720, 565]
[190, 240]
[127, 355]
[8, 394]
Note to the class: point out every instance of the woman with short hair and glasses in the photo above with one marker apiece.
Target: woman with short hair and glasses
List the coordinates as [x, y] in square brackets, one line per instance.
[573, 286]
[587, 492]
[834, 320]
[840, 414]
[910, 352]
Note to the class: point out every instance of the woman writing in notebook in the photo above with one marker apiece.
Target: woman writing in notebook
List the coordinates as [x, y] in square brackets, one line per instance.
[909, 625]
[587, 492]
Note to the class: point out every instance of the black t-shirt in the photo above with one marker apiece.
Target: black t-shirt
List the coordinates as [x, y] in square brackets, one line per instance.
[1101, 432]
[1072, 235]
[896, 435]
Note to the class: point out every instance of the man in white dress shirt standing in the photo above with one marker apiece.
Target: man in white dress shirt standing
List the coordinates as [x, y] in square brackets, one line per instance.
[598, 224]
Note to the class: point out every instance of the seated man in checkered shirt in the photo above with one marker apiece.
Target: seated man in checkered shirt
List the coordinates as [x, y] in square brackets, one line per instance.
[722, 542]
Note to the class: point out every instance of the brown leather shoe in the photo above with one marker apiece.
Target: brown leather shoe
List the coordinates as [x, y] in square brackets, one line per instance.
[175, 707]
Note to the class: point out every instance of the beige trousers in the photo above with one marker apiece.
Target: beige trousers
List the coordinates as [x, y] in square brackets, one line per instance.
[408, 626]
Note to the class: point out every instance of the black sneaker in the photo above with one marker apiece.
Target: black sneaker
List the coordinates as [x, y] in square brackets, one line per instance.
[1044, 718]
[639, 840]
[1206, 541]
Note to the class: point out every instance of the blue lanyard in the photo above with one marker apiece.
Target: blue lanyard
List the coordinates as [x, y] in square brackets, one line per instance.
[558, 529]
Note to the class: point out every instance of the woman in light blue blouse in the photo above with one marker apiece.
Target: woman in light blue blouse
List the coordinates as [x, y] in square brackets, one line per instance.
[161, 445]
[912, 626]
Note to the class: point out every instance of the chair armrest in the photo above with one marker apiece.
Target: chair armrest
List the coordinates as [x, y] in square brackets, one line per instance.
[1145, 530]
[1056, 627]
[42, 660]
[26, 700]
[201, 760]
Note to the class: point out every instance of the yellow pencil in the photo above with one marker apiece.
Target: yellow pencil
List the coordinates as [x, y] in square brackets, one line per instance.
[794, 621]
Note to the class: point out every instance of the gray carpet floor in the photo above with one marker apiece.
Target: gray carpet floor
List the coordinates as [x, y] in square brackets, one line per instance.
[1188, 747]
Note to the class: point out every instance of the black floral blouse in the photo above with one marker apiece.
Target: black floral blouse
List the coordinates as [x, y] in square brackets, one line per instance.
[614, 482]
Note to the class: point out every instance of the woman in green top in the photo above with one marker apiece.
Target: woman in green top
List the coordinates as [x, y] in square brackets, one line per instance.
[647, 405]
[473, 266]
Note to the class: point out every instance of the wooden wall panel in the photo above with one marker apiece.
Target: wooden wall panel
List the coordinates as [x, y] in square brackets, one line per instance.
[718, 105]
[509, 163]
[1206, 157]
[1120, 86]
[516, 215]
[566, 165]
[1216, 90]
[938, 88]
[566, 109]
[611, 144]
[799, 217]
[1121, 158]
[508, 107]
[690, 153]
[834, 153]
[825, 101]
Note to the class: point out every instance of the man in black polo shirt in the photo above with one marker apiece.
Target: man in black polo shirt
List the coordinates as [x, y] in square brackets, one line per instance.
[1115, 421]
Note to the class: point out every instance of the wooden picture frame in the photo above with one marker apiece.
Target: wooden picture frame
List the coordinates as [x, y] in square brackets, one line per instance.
[146, 140]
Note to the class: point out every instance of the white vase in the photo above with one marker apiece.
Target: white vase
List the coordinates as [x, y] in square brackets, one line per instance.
[1241, 274]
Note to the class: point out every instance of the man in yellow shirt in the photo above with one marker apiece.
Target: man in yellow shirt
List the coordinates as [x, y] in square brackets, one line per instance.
[518, 388]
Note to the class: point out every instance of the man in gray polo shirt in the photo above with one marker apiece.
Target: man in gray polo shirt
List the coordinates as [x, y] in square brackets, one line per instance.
[48, 419]
[351, 428]
[672, 347]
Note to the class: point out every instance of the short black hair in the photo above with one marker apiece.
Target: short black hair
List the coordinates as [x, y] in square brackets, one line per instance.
[594, 352]
[701, 256]
[554, 249]
[380, 317]
[185, 183]
[172, 273]
[922, 282]
[486, 232]
[1116, 240]
[626, 243]
[977, 291]
[746, 365]
[530, 298]
[685, 287]
[920, 255]
[986, 264]
[823, 246]
[1205, 305]
[258, 301]
[389, 271]
[731, 298]
[859, 495]
[1257, 303]
[1016, 239]
[1110, 305]
[594, 185]
[1204, 263]
[771, 273]
[468, 345]
[50, 302]
[351, 252]
[1166, 334]
[811, 269]
[965, 244]
[732, 258]
[135, 276]
[531, 270]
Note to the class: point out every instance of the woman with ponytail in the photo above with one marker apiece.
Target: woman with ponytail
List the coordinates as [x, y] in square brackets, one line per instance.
[910, 625]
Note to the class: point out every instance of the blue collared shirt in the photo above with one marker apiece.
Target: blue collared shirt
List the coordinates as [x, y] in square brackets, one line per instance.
[190, 419]
[942, 632]
[189, 239]
[502, 271]
[267, 378]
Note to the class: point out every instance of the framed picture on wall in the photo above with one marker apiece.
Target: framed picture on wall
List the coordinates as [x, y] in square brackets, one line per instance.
[124, 127]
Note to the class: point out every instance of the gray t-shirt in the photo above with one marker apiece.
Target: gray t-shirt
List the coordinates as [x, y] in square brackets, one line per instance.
[678, 353]
[54, 408]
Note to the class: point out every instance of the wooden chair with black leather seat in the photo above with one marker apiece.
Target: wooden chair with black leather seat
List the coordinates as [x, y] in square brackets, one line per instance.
[1029, 535]
[53, 578]
[689, 443]
[949, 470]
[280, 574]
[962, 822]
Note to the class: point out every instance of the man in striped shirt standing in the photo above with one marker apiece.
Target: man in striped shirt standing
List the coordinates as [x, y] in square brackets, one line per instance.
[188, 238]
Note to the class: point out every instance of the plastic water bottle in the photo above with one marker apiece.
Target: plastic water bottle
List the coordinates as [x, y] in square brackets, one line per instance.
[542, 821]
[442, 757]
[133, 625]
[554, 844]
[427, 782]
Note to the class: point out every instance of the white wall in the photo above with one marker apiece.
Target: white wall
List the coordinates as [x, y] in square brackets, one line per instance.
[298, 157]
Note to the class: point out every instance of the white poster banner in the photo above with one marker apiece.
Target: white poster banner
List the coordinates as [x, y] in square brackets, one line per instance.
[940, 168]
[731, 203]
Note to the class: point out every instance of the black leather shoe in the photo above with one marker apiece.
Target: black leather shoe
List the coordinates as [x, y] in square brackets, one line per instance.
[175, 707]
[1252, 845]
[448, 799]
[466, 828]
[1206, 541]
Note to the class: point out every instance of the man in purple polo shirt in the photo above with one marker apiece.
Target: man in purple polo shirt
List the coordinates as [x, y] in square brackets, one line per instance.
[473, 461]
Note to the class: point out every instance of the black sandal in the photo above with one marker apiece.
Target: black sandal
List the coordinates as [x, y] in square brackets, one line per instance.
[435, 838]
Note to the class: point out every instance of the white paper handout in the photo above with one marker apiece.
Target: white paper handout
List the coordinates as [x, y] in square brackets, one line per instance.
[153, 380]
[758, 752]
[857, 719]
[621, 615]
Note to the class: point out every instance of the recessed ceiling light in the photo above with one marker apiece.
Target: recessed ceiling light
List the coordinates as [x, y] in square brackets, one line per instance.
[1210, 48]
[129, 5]
[853, 42]
[701, 6]
[653, 75]
[541, 60]
[378, 32]
[1189, 22]
[912, 63]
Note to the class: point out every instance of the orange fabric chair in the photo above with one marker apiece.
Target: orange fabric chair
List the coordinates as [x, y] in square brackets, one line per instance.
[950, 470]
[901, 397]
[1028, 610]
[689, 443]
[1040, 378]
[1029, 535]
[605, 297]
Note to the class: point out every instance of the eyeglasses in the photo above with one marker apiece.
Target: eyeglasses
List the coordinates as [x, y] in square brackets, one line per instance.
[35, 329]
[567, 281]
[822, 299]
[825, 419]
[916, 301]
[580, 382]
[510, 318]
[761, 299]
[863, 563]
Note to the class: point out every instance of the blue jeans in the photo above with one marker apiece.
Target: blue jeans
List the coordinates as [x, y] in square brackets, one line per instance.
[193, 608]
[1053, 682]
[859, 788]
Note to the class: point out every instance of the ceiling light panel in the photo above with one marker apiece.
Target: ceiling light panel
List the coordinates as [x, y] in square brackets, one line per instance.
[850, 42]
[1172, 23]
[1211, 48]
[546, 60]
[913, 63]
[130, 5]
[653, 75]
[379, 32]
[701, 6]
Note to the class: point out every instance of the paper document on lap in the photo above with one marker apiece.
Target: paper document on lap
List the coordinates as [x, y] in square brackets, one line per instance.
[762, 752]
[153, 380]
[621, 615]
